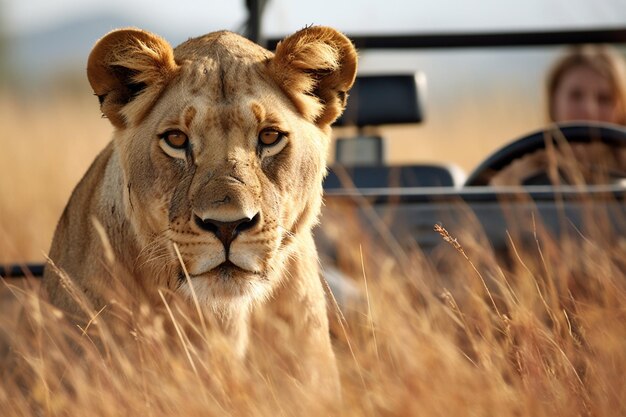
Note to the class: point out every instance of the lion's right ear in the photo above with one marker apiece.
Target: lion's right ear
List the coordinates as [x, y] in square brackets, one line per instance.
[127, 69]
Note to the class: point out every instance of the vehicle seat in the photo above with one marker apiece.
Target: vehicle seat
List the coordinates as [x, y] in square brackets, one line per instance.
[360, 161]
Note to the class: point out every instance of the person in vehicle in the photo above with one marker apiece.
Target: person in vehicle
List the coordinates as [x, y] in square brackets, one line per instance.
[588, 83]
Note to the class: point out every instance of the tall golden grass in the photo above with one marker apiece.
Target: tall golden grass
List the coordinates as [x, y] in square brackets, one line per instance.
[540, 335]
[47, 143]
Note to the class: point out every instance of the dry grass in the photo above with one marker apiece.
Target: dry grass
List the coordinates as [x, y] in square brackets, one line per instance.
[542, 336]
[45, 151]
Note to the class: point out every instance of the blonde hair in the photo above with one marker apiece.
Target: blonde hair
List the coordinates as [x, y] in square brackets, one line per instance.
[603, 59]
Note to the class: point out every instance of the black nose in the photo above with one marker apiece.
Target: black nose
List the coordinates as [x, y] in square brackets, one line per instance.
[226, 232]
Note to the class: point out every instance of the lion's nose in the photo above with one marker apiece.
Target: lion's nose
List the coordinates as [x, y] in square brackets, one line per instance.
[226, 232]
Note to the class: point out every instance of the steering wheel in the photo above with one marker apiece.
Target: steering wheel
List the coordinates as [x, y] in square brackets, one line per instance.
[612, 137]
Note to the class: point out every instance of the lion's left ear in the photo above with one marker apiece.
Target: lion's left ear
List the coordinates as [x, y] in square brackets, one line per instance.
[316, 67]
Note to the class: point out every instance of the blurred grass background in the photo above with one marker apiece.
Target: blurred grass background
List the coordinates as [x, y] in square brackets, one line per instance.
[47, 143]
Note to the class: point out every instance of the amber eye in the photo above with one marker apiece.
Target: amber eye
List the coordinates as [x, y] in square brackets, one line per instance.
[175, 138]
[270, 137]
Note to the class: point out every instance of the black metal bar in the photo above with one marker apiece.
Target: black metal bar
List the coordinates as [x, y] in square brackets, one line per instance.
[255, 18]
[485, 39]
[21, 270]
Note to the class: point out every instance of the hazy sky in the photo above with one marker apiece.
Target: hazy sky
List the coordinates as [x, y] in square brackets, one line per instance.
[351, 16]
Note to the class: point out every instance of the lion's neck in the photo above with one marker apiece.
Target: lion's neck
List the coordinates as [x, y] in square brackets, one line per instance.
[234, 324]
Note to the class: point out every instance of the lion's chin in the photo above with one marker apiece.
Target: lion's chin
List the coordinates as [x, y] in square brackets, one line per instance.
[226, 283]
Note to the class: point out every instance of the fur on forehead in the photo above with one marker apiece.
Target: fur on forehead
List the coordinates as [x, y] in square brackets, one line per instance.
[221, 45]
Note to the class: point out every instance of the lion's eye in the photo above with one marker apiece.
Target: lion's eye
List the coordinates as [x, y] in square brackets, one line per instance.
[176, 139]
[269, 137]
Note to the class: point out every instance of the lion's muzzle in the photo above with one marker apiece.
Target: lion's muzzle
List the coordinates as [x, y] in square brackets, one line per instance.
[226, 232]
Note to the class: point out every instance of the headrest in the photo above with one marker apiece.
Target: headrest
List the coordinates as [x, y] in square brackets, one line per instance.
[385, 99]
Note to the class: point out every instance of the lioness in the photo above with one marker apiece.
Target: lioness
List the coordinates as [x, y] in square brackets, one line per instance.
[219, 150]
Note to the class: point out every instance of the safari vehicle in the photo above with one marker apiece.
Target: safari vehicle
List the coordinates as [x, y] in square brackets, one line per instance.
[421, 208]
[422, 195]
[396, 206]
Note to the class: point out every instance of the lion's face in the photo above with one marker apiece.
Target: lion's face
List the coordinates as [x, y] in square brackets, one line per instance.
[222, 147]
[227, 174]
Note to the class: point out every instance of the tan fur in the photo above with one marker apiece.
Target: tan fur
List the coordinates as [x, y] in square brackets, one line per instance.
[220, 90]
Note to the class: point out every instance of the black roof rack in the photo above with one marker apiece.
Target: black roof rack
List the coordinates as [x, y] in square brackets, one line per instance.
[484, 39]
